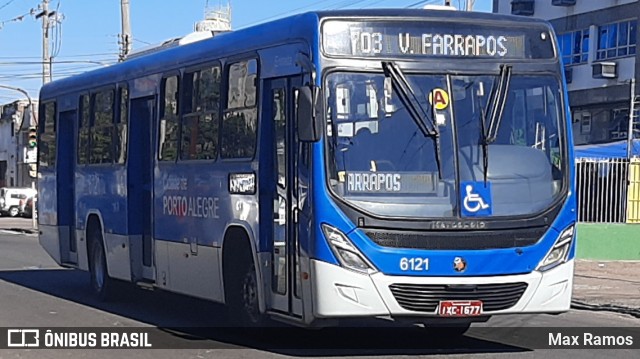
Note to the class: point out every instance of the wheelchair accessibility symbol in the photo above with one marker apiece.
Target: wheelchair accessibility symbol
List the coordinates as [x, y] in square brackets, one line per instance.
[476, 199]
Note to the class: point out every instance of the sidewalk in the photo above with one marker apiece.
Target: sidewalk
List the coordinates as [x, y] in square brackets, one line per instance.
[607, 285]
[17, 224]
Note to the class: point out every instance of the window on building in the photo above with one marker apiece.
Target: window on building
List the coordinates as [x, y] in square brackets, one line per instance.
[121, 126]
[201, 115]
[619, 124]
[617, 39]
[102, 128]
[574, 47]
[83, 130]
[47, 143]
[585, 123]
[168, 133]
[240, 121]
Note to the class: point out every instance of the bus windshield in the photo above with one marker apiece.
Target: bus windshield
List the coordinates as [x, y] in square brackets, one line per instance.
[380, 161]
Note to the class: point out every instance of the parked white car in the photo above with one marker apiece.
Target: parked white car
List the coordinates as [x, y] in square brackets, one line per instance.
[13, 200]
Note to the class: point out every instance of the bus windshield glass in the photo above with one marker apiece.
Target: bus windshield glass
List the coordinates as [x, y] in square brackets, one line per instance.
[380, 161]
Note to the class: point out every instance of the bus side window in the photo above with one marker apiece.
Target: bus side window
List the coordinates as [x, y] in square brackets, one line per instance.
[240, 119]
[83, 130]
[200, 119]
[121, 125]
[102, 128]
[47, 155]
[168, 132]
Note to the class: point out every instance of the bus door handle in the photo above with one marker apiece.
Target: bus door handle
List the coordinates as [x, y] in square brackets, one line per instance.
[295, 211]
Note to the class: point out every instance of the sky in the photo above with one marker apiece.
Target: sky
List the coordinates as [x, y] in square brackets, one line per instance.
[86, 36]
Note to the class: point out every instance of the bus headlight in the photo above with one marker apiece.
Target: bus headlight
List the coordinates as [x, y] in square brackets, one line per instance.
[560, 250]
[348, 255]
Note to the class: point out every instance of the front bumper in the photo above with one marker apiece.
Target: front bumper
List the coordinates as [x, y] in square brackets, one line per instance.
[341, 293]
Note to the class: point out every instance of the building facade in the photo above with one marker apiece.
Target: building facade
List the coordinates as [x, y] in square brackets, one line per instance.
[598, 42]
[17, 158]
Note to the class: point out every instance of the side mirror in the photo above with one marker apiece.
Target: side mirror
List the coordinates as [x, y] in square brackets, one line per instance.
[308, 124]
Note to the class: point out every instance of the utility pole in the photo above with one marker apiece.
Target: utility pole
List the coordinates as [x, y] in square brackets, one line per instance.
[469, 5]
[46, 59]
[125, 37]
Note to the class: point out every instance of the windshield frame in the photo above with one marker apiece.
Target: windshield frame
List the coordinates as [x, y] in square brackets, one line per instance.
[414, 70]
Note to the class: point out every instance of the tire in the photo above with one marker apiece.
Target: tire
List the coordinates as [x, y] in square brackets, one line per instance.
[14, 211]
[244, 300]
[102, 285]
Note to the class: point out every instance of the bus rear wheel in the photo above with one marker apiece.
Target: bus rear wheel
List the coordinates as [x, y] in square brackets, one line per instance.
[102, 285]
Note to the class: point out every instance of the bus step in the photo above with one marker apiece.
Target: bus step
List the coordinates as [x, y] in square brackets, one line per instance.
[146, 284]
[282, 317]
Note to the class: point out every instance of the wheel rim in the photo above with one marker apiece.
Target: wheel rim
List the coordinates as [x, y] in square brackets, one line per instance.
[250, 297]
[98, 268]
[13, 212]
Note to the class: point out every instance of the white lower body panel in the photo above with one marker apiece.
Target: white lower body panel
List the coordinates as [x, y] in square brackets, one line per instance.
[191, 270]
[117, 254]
[338, 292]
[50, 241]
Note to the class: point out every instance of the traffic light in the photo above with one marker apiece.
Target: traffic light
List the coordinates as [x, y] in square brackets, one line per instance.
[33, 137]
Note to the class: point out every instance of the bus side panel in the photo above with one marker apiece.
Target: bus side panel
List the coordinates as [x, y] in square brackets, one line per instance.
[48, 213]
[192, 208]
[101, 190]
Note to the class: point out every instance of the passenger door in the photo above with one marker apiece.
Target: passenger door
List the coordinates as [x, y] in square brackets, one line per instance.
[140, 184]
[286, 290]
[66, 186]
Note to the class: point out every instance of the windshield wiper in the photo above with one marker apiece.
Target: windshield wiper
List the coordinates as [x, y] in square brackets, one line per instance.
[498, 98]
[484, 139]
[417, 112]
[497, 101]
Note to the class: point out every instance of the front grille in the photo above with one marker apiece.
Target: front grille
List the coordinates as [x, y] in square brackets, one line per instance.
[426, 297]
[460, 240]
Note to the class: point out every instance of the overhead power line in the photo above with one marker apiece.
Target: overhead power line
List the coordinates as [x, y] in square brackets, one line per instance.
[6, 4]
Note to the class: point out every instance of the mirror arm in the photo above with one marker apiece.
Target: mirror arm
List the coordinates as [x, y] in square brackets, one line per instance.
[306, 64]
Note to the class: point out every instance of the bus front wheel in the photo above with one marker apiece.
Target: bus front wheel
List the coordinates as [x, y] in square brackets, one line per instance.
[243, 295]
[101, 284]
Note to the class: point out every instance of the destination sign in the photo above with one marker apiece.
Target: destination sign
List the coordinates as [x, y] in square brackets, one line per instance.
[429, 39]
[390, 182]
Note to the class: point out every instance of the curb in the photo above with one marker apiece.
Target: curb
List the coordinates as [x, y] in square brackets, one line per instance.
[634, 312]
[20, 230]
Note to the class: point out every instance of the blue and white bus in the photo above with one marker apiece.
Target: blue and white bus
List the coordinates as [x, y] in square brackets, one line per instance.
[405, 164]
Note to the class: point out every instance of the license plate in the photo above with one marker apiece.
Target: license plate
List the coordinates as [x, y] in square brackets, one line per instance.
[457, 308]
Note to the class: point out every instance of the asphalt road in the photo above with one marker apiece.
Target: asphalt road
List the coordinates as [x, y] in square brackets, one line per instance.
[35, 292]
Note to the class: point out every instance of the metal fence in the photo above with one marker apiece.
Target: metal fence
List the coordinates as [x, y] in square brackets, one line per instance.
[602, 189]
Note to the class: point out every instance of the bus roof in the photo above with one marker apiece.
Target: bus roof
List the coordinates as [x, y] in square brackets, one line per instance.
[293, 28]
